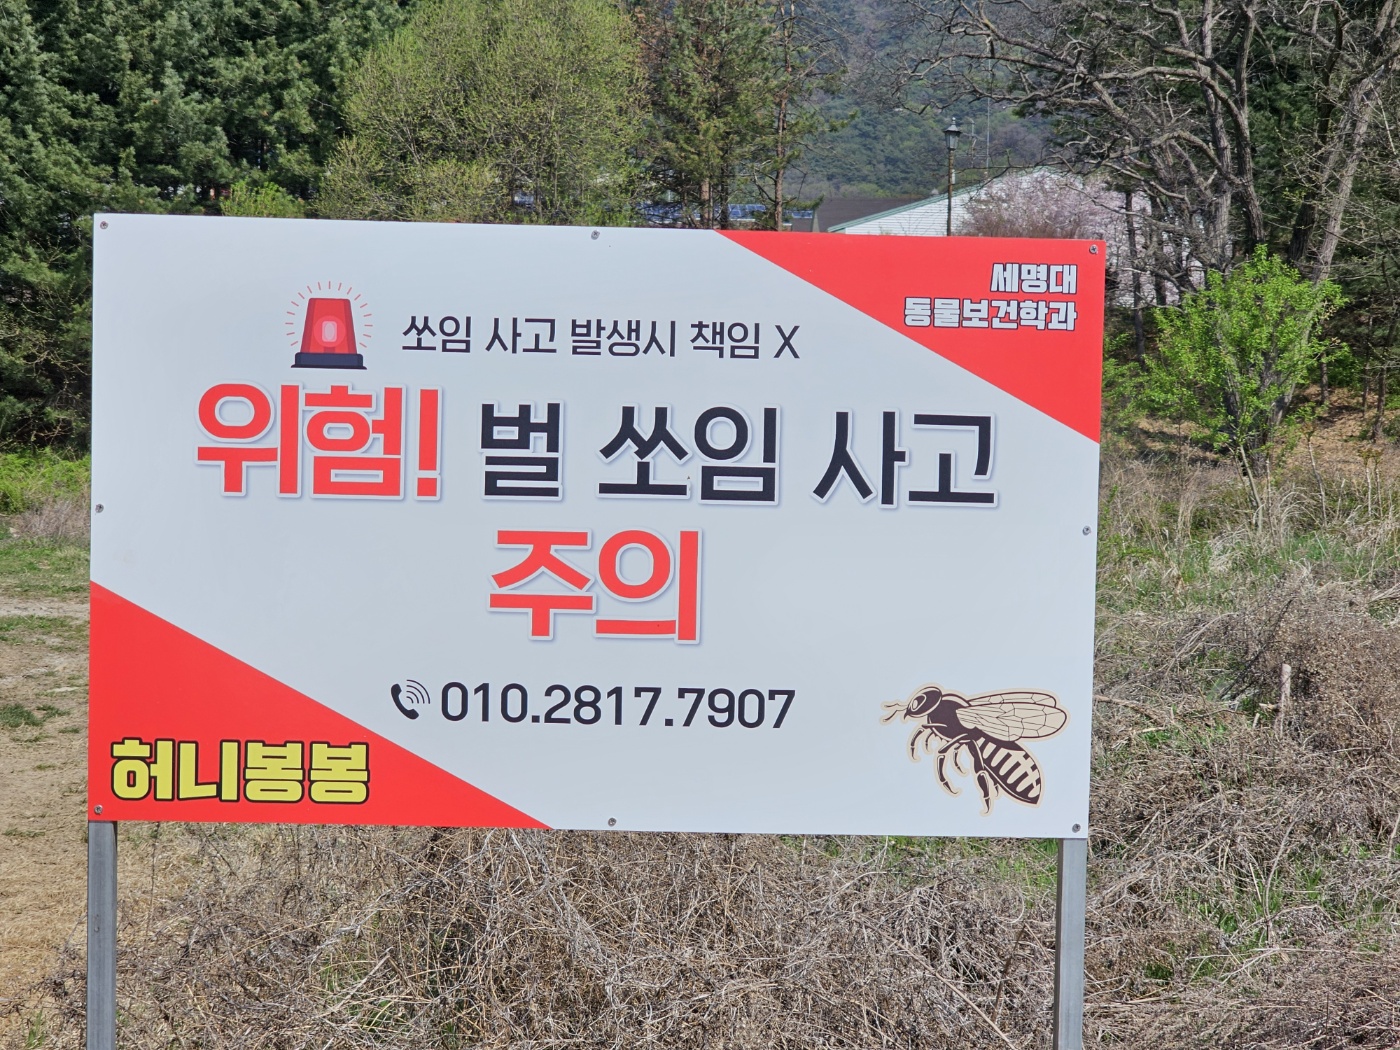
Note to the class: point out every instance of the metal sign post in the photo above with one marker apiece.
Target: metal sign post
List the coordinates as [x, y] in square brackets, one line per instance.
[102, 936]
[1072, 861]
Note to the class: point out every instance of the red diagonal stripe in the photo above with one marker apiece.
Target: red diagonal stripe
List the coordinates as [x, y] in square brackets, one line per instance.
[151, 680]
[1058, 373]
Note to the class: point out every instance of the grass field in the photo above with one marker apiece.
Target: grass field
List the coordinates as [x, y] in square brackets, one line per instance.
[1244, 875]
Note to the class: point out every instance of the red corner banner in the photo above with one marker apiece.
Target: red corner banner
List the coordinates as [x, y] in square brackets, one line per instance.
[1057, 372]
[203, 736]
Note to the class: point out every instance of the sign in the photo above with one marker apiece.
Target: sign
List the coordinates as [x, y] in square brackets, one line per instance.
[619, 528]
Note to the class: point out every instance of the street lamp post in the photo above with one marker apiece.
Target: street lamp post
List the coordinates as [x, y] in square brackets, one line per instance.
[950, 137]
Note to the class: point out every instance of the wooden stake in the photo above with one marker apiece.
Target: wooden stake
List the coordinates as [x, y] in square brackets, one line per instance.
[1285, 698]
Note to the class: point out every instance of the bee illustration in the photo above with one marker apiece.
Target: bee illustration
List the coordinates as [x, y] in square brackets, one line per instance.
[987, 727]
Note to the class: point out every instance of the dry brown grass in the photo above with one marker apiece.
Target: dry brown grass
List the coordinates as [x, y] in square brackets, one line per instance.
[44, 497]
[56, 520]
[1244, 874]
[1249, 856]
[420, 938]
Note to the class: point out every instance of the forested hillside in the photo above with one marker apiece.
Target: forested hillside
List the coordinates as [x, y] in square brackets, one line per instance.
[885, 134]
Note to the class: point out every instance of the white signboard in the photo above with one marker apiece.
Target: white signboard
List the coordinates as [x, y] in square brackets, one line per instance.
[635, 529]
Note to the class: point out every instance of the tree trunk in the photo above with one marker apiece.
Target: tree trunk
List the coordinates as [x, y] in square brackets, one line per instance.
[1378, 427]
[1365, 107]
[1387, 357]
[778, 201]
[1139, 331]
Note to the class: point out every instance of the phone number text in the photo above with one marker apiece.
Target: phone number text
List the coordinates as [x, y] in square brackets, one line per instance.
[589, 705]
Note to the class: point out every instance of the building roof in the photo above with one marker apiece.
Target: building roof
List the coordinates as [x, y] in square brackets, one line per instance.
[927, 217]
[842, 211]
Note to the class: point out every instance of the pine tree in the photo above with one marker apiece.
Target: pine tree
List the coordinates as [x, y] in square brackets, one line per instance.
[731, 87]
[158, 105]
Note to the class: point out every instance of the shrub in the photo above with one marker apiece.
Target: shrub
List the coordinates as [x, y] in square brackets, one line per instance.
[1234, 353]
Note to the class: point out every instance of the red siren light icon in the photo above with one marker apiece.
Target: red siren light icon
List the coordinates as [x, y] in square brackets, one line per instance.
[328, 336]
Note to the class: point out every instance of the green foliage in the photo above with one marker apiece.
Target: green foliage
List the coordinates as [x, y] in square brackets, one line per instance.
[1233, 354]
[881, 151]
[497, 110]
[268, 201]
[1123, 383]
[36, 1033]
[803, 65]
[885, 132]
[732, 86]
[156, 106]
[29, 478]
[712, 80]
[492, 111]
[45, 183]
[182, 98]
[1368, 266]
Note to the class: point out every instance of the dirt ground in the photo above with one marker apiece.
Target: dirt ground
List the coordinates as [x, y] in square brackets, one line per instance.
[43, 736]
[43, 709]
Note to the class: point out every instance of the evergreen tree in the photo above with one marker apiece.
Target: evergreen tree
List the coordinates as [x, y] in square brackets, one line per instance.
[803, 65]
[731, 87]
[46, 187]
[143, 105]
